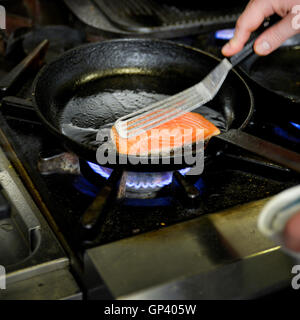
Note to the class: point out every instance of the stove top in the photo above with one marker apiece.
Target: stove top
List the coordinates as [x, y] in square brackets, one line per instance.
[155, 217]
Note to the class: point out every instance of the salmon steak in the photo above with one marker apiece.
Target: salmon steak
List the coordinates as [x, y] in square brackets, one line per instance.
[187, 129]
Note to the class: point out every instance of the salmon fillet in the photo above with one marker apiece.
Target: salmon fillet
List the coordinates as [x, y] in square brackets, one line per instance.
[184, 130]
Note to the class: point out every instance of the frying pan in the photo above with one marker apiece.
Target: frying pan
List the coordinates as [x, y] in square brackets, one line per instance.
[93, 85]
[278, 72]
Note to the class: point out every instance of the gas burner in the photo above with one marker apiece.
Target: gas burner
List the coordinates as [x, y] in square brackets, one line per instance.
[137, 185]
[140, 182]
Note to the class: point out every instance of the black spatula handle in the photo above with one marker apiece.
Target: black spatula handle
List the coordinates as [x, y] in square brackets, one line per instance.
[249, 47]
[244, 53]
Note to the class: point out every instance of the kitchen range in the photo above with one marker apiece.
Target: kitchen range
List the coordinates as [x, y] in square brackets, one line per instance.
[73, 229]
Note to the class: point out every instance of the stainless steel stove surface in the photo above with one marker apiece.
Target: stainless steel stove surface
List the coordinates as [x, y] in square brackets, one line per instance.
[36, 265]
[156, 240]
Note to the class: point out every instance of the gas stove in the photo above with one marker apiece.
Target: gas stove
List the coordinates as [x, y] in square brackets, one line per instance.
[163, 235]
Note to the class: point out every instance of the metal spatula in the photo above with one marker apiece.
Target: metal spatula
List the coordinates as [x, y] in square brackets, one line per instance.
[163, 111]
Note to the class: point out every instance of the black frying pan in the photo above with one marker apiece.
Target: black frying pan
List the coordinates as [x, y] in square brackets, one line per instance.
[93, 85]
[278, 72]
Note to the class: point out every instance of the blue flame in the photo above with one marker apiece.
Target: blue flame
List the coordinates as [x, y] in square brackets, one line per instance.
[225, 34]
[133, 180]
[133, 183]
[286, 135]
[185, 171]
[103, 172]
[200, 185]
[85, 187]
[296, 125]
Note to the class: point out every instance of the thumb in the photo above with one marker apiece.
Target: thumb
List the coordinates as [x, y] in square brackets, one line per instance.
[272, 38]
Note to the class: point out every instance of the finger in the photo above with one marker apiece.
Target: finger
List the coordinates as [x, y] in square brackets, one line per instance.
[292, 233]
[253, 16]
[272, 38]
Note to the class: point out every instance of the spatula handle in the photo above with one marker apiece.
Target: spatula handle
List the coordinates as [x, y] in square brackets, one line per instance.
[249, 47]
[244, 53]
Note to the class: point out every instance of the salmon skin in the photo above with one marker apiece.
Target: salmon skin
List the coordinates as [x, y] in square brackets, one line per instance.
[187, 129]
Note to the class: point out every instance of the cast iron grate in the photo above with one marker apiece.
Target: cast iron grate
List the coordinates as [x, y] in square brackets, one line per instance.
[150, 16]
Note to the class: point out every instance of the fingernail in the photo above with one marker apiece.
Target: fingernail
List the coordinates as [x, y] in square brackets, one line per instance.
[263, 47]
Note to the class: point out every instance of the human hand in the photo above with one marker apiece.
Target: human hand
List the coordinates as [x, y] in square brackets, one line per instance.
[254, 15]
